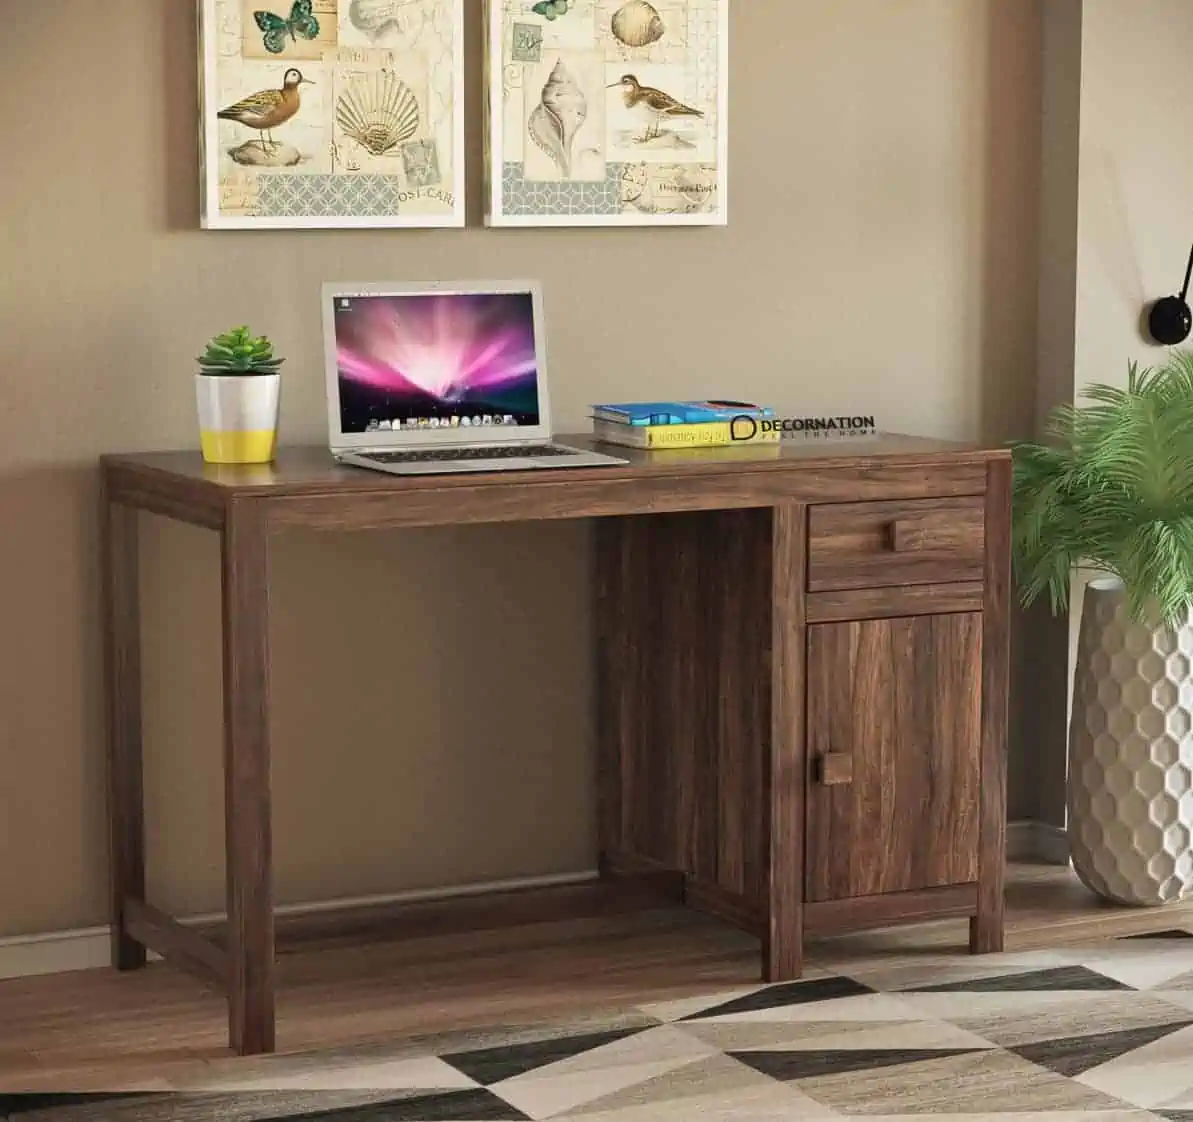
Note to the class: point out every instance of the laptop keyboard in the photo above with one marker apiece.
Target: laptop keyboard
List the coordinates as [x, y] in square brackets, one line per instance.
[452, 455]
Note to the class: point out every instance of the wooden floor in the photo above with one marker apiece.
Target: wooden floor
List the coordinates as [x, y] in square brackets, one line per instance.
[85, 1030]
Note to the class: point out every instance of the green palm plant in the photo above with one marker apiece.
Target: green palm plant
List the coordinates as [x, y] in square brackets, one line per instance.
[239, 353]
[1112, 489]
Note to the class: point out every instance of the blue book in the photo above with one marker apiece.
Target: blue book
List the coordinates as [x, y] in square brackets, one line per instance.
[651, 413]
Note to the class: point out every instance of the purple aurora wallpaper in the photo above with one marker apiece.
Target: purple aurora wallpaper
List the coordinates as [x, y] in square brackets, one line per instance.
[417, 361]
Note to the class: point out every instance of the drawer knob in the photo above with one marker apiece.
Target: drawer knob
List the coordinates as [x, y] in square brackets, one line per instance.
[835, 769]
[905, 535]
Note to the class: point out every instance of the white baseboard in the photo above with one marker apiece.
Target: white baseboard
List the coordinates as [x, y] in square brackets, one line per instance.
[55, 952]
[89, 948]
[1052, 844]
[1037, 841]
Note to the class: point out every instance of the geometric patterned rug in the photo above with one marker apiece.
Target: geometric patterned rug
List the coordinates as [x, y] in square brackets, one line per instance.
[1100, 1032]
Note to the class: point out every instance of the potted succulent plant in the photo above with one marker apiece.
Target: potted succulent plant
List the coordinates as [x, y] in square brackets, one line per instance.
[1112, 492]
[238, 388]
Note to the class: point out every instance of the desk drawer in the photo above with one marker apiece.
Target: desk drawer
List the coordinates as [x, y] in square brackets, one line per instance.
[880, 545]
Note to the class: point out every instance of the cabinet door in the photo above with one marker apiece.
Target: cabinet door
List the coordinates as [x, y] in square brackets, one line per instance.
[894, 729]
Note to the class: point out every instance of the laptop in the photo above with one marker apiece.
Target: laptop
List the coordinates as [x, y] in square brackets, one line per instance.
[428, 379]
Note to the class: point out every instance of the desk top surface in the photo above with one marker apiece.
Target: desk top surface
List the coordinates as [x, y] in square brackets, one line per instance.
[308, 470]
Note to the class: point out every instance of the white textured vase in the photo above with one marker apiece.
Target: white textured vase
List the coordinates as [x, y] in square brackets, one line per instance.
[1131, 754]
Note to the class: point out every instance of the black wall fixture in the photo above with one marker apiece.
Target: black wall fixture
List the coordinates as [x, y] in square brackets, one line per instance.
[1170, 320]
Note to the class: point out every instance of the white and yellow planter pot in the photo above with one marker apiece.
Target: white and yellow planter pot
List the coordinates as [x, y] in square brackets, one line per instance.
[238, 417]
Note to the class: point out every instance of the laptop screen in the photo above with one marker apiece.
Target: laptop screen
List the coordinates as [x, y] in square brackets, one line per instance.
[436, 360]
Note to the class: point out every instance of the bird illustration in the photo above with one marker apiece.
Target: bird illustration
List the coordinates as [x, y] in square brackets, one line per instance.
[656, 103]
[267, 109]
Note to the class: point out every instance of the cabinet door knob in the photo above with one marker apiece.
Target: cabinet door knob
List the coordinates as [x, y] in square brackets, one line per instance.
[835, 769]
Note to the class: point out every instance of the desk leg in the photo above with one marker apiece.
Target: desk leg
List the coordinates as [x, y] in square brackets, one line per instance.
[783, 951]
[247, 781]
[986, 928]
[126, 809]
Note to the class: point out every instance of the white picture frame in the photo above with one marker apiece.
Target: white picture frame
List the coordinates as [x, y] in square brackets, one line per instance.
[366, 147]
[563, 150]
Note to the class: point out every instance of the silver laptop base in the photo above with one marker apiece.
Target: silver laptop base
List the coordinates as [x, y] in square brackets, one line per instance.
[449, 466]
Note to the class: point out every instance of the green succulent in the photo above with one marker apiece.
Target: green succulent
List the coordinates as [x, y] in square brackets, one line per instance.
[1113, 490]
[239, 353]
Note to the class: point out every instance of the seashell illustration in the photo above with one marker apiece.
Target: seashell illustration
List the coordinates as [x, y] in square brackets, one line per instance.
[379, 112]
[638, 24]
[376, 17]
[558, 116]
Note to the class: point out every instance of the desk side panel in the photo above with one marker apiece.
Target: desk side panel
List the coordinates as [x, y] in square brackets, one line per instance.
[684, 626]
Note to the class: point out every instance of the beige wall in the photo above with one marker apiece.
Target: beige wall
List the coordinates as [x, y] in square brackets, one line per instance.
[1116, 230]
[431, 728]
[1135, 220]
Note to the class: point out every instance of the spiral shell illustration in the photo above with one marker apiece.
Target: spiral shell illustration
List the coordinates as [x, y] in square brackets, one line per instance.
[376, 17]
[638, 24]
[558, 116]
[379, 112]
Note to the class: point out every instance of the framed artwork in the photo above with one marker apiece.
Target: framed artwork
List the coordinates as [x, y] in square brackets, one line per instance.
[607, 112]
[332, 113]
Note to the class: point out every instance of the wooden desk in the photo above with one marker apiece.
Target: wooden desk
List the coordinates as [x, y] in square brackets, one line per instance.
[802, 696]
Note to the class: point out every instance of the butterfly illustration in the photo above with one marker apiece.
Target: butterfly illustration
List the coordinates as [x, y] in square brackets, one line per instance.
[301, 25]
[551, 9]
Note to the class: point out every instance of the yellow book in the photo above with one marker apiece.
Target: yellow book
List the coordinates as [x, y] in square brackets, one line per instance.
[714, 434]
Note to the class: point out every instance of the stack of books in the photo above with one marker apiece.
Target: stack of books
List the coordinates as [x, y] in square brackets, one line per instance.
[658, 425]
